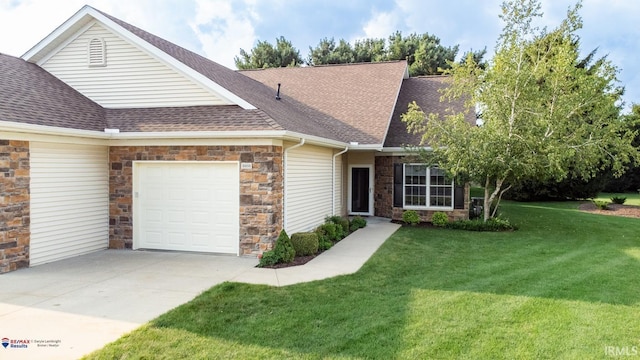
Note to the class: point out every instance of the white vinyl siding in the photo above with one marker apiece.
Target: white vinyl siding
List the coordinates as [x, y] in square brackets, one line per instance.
[69, 200]
[129, 78]
[308, 192]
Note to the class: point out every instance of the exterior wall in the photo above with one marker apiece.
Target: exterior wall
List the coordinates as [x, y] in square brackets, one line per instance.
[383, 195]
[15, 207]
[260, 189]
[338, 196]
[131, 77]
[309, 187]
[69, 200]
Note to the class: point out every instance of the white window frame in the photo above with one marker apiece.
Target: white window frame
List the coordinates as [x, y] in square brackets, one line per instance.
[427, 190]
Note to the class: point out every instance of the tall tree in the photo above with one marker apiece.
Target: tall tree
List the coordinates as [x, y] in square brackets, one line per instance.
[540, 110]
[369, 50]
[266, 55]
[424, 53]
[327, 52]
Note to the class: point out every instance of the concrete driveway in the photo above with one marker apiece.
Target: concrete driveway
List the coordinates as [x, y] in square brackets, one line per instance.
[69, 308]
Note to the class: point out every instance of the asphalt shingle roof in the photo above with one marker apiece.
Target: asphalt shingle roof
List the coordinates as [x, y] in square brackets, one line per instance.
[288, 113]
[425, 91]
[360, 95]
[31, 95]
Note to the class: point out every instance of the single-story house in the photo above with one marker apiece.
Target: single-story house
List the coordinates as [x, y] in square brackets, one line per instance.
[111, 137]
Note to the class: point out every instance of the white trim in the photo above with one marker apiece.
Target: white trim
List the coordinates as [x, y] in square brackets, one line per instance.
[62, 45]
[427, 191]
[172, 62]
[285, 182]
[333, 180]
[135, 187]
[395, 102]
[371, 189]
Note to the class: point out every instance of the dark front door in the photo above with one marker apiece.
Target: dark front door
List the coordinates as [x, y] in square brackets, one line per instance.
[360, 190]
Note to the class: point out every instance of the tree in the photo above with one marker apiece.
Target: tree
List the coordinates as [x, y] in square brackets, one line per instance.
[424, 53]
[326, 52]
[541, 112]
[265, 55]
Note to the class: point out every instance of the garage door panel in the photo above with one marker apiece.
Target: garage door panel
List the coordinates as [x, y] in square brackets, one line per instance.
[195, 206]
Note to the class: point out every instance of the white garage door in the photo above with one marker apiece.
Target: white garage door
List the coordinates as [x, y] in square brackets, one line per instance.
[69, 200]
[187, 206]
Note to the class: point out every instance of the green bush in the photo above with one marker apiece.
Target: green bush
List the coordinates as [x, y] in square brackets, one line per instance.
[269, 258]
[305, 243]
[357, 222]
[411, 217]
[342, 226]
[284, 249]
[493, 224]
[618, 200]
[439, 219]
[601, 204]
[324, 243]
[331, 231]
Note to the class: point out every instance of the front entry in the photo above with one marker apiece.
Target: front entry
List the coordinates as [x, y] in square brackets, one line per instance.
[361, 193]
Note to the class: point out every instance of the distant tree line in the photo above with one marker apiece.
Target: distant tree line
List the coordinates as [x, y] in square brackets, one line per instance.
[424, 53]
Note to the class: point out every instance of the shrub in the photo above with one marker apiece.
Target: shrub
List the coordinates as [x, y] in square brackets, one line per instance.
[283, 249]
[331, 231]
[618, 200]
[342, 226]
[305, 243]
[493, 224]
[269, 258]
[601, 204]
[357, 222]
[324, 243]
[439, 219]
[411, 217]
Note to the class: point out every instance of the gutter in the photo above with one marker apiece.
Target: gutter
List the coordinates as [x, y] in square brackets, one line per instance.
[333, 180]
[284, 180]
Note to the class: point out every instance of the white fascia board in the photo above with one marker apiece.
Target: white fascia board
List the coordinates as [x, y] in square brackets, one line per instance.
[395, 102]
[77, 20]
[14, 127]
[82, 17]
[314, 140]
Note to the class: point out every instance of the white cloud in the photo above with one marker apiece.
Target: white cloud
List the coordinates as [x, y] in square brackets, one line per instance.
[381, 25]
[223, 30]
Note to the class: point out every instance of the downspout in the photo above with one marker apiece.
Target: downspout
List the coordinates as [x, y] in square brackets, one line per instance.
[333, 180]
[284, 180]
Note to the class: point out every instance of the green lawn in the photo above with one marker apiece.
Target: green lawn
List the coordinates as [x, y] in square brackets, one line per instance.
[565, 286]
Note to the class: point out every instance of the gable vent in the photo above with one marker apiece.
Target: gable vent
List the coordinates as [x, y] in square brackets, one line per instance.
[96, 53]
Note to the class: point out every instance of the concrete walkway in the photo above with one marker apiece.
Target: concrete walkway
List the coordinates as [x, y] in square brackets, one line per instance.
[346, 257]
[71, 307]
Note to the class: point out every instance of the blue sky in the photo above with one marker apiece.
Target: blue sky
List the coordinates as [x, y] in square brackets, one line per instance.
[218, 29]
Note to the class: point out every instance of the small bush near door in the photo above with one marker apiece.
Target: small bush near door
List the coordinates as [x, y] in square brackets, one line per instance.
[283, 252]
[305, 243]
[357, 222]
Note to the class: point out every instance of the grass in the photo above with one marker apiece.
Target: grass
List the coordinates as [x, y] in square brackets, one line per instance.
[632, 198]
[564, 286]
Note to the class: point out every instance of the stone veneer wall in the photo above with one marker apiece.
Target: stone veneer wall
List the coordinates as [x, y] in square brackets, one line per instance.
[384, 194]
[15, 205]
[260, 189]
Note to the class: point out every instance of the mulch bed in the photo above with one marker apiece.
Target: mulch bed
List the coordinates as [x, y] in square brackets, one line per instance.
[298, 260]
[631, 211]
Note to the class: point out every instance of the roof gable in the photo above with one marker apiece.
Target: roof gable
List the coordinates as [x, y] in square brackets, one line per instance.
[79, 22]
